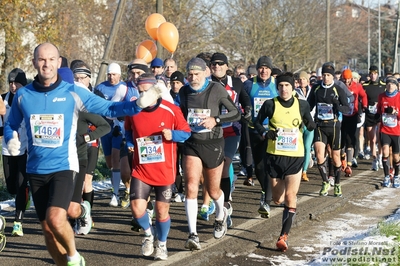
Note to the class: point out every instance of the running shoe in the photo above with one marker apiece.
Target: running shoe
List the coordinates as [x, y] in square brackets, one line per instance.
[148, 245]
[203, 214]
[282, 243]
[2, 224]
[125, 201]
[354, 163]
[229, 221]
[324, 190]
[3, 239]
[348, 171]
[331, 180]
[78, 262]
[375, 165]
[220, 227]
[396, 181]
[17, 229]
[249, 182]
[211, 207]
[193, 242]
[304, 177]
[242, 172]
[386, 181]
[178, 197]
[161, 252]
[311, 163]
[367, 156]
[85, 223]
[361, 155]
[380, 164]
[135, 226]
[337, 190]
[264, 208]
[114, 200]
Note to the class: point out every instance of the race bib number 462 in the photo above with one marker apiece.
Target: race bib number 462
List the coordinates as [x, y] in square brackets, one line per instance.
[47, 130]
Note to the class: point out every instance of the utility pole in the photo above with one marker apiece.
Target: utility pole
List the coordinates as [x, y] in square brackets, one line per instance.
[379, 38]
[369, 38]
[328, 11]
[396, 43]
[159, 10]
[111, 41]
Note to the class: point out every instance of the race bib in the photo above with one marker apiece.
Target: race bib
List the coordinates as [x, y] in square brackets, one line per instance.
[389, 120]
[373, 108]
[47, 130]
[258, 102]
[287, 139]
[195, 116]
[151, 149]
[325, 111]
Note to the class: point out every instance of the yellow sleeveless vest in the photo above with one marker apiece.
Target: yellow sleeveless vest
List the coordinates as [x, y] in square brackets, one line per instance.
[287, 121]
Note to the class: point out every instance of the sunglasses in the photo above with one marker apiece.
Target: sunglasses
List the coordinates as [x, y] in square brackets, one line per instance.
[217, 63]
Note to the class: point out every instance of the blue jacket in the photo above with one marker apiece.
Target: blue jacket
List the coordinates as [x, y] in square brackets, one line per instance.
[51, 115]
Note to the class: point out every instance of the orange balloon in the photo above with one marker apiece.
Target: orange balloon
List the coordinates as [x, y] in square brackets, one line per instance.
[152, 23]
[146, 50]
[168, 36]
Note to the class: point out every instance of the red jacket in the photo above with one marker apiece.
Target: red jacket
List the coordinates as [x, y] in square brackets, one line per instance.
[155, 157]
[359, 95]
[390, 124]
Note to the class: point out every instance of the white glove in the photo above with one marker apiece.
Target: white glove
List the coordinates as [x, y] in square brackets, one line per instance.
[14, 145]
[149, 97]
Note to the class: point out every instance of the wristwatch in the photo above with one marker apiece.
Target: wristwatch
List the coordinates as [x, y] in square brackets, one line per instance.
[217, 119]
[86, 137]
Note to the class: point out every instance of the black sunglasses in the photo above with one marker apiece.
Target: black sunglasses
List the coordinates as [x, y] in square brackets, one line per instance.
[218, 63]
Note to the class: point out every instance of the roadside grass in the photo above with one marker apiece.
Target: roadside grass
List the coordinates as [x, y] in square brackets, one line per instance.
[391, 230]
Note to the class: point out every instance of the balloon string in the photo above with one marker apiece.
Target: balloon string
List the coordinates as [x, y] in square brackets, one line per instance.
[172, 55]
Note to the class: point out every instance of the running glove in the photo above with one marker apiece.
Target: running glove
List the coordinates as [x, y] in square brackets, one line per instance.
[271, 134]
[149, 97]
[14, 145]
[389, 110]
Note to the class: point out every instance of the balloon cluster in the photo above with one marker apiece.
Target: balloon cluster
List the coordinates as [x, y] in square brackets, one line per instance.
[159, 30]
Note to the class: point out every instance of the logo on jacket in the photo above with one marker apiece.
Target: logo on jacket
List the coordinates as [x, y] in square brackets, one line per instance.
[59, 99]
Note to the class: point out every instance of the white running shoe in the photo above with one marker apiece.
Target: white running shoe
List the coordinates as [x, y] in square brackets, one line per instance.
[84, 223]
[161, 252]
[148, 245]
[375, 165]
[220, 227]
[114, 201]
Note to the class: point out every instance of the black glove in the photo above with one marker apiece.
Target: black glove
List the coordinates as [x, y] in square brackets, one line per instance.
[116, 131]
[389, 110]
[311, 125]
[271, 134]
[335, 102]
[246, 117]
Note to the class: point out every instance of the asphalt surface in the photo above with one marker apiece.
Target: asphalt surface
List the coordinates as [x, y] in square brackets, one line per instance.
[111, 241]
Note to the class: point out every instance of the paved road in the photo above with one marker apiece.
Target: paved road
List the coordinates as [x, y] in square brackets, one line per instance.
[111, 242]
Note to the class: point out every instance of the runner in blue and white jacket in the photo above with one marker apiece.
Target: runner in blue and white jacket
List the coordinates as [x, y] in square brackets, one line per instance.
[50, 109]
